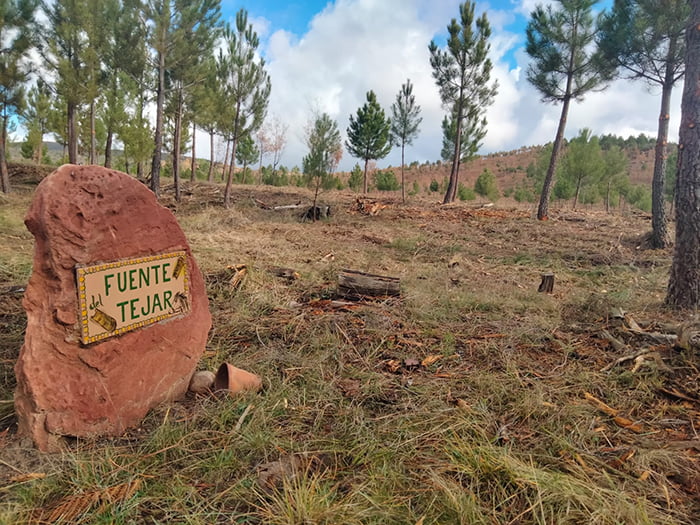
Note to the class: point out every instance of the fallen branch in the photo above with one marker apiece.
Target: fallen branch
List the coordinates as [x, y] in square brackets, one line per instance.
[656, 336]
[616, 344]
[612, 412]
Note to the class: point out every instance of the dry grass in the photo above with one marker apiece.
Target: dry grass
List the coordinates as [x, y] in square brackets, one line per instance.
[492, 427]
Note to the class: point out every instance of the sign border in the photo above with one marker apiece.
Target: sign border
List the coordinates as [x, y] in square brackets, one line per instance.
[81, 271]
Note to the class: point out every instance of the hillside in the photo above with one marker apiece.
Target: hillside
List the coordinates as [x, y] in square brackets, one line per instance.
[509, 167]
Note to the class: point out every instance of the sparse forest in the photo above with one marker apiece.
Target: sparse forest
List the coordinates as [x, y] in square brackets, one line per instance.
[468, 394]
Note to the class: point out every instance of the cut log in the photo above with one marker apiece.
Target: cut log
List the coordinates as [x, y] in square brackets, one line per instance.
[356, 285]
[547, 284]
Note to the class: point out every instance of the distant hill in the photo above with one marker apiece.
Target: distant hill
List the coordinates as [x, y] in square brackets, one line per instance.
[509, 167]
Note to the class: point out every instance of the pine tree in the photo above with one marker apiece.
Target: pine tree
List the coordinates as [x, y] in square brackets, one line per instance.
[684, 282]
[325, 151]
[462, 73]
[582, 164]
[644, 39]
[124, 67]
[246, 152]
[63, 47]
[566, 65]
[368, 134]
[246, 86]
[405, 121]
[16, 16]
[182, 32]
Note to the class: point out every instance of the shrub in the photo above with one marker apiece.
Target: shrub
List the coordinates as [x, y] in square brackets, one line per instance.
[434, 186]
[355, 180]
[465, 193]
[386, 181]
[486, 185]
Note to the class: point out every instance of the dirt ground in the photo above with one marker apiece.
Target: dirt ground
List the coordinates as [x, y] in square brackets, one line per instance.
[602, 343]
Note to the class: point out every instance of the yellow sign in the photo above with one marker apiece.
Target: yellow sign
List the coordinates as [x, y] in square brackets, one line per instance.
[121, 296]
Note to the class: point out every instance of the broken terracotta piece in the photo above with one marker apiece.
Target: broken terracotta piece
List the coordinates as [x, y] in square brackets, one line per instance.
[236, 380]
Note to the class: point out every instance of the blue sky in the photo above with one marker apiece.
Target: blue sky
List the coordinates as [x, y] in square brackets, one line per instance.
[324, 55]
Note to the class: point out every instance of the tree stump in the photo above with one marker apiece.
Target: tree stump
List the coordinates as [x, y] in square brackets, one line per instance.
[356, 285]
[547, 284]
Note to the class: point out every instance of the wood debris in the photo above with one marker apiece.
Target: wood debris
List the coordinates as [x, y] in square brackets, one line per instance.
[240, 271]
[614, 414]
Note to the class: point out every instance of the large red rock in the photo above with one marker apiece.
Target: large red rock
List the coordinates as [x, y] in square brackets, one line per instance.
[80, 216]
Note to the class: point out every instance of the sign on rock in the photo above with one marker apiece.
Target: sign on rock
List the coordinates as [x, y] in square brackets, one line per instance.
[120, 296]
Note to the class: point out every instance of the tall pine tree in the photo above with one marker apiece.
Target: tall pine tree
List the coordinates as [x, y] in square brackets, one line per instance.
[462, 72]
[645, 40]
[178, 28]
[684, 282]
[368, 134]
[16, 16]
[565, 66]
[246, 86]
[405, 121]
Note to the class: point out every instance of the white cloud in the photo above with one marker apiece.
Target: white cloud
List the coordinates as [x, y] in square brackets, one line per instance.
[353, 46]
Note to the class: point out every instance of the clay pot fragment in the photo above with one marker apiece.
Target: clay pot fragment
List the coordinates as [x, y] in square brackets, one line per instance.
[236, 380]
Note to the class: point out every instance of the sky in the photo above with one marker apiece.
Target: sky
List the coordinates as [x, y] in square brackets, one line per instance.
[324, 55]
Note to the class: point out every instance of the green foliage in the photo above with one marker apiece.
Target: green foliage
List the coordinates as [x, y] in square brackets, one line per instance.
[486, 185]
[355, 179]
[644, 39]
[245, 84]
[566, 64]
[462, 73]
[16, 17]
[671, 173]
[581, 167]
[434, 186]
[465, 193]
[247, 151]
[325, 149]
[522, 193]
[640, 197]
[369, 133]
[405, 117]
[386, 181]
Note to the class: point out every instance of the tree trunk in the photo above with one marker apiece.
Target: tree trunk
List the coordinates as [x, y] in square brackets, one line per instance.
[210, 176]
[543, 209]
[108, 150]
[72, 134]
[224, 164]
[659, 224]
[451, 192]
[227, 192]
[193, 175]
[578, 192]
[364, 180]
[234, 143]
[158, 136]
[93, 138]
[176, 145]
[4, 174]
[684, 282]
[403, 180]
